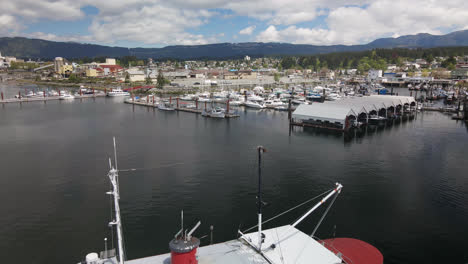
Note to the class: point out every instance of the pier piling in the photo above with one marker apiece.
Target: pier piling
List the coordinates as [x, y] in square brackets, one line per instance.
[2, 96]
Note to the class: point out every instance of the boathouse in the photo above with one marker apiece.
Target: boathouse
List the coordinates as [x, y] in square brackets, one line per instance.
[353, 112]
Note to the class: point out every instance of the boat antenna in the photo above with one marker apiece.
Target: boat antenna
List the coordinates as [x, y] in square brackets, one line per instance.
[113, 177]
[260, 150]
[115, 155]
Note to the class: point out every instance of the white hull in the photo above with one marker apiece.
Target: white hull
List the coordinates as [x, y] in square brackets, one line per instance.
[67, 97]
[118, 94]
[254, 105]
[165, 107]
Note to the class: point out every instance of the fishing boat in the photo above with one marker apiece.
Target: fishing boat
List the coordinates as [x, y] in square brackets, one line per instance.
[256, 105]
[187, 97]
[165, 106]
[376, 120]
[204, 100]
[314, 97]
[32, 94]
[236, 103]
[281, 108]
[214, 113]
[299, 100]
[274, 103]
[66, 96]
[117, 92]
[332, 97]
[277, 245]
[53, 93]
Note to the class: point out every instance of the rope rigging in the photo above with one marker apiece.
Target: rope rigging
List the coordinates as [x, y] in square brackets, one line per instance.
[287, 211]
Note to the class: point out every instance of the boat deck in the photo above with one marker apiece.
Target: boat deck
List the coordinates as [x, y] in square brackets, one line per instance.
[291, 246]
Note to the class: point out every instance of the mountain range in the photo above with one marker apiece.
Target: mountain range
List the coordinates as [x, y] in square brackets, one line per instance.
[44, 49]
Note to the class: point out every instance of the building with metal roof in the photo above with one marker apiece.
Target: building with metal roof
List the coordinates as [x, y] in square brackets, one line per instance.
[341, 114]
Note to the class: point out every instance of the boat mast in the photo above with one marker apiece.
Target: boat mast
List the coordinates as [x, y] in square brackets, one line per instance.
[113, 176]
[259, 196]
[336, 190]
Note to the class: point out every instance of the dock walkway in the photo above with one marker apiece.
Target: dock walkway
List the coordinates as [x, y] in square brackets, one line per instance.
[47, 98]
[182, 109]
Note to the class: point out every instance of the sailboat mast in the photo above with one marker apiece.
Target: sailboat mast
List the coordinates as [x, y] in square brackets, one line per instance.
[259, 196]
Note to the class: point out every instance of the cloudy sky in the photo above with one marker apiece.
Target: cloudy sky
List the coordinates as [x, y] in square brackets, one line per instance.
[157, 23]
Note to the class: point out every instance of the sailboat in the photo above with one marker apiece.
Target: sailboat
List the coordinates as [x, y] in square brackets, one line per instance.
[278, 245]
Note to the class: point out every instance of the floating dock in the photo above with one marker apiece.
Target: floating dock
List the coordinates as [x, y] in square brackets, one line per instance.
[47, 98]
[177, 108]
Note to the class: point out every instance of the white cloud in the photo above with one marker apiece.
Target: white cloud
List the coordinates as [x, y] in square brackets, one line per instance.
[293, 34]
[382, 18]
[150, 24]
[8, 25]
[247, 30]
[54, 37]
[162, 22]
[35, 9]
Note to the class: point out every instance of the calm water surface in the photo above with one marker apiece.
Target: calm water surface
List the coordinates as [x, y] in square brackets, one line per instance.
[405, 188]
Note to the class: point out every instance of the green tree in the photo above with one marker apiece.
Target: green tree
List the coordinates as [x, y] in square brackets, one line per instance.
[127, 78]
[148, 80]
[277, 77]
[449, 62]
[288, 63]
[160, 80]
[74, 78]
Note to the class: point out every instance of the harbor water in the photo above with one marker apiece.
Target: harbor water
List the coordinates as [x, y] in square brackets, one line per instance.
[405, 187]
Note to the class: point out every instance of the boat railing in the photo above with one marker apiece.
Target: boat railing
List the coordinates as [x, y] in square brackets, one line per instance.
[332, 248]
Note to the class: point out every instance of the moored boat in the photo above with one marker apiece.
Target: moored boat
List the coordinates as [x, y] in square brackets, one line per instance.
[117, 92]
[254, 105]
[66, 96]
[165, 106]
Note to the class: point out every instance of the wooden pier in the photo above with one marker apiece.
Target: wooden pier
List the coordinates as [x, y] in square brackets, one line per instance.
[440, 109]
[181, 109]
[47, 98]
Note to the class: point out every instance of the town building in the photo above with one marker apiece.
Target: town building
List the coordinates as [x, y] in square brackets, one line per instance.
[109, 70]
[374, 75]
[58, 63]
[91, 73]
[109, 61]
[66, 70]
[2, 61]
[460, 73]
[136, 75]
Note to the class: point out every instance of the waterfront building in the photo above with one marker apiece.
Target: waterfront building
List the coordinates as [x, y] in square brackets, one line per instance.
[2, 61]
[66, 69]
[374, 75]
[91, 73]
[342, 114]
[58, 63]
[460, 73]
[106, 70]
[109, 61]
[136, 75]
